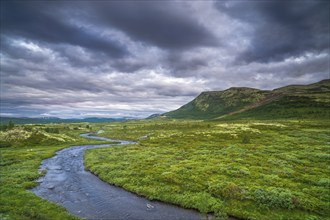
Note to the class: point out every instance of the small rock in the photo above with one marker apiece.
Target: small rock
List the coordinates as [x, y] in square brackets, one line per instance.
[50, 186]
[42, 171]
[149, 206]
[56, 168]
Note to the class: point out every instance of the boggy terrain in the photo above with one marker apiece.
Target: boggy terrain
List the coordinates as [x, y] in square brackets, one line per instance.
[247, 169]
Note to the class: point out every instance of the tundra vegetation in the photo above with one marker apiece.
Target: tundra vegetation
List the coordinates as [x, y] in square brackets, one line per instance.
[253, 169]
[247, 169]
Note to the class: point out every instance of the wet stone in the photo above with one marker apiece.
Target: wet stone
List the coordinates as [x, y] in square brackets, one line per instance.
[50, 186]
[149, 206]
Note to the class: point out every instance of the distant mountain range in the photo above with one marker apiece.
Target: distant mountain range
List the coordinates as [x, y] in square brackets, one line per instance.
[46, 120]
[294, 101]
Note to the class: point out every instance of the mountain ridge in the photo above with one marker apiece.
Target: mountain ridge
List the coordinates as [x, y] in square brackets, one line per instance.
[292, 101]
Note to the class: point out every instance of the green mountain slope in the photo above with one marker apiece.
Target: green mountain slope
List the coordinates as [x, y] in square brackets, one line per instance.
[295, 101]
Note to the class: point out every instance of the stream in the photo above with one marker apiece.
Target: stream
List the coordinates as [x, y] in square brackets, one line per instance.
[84, 195]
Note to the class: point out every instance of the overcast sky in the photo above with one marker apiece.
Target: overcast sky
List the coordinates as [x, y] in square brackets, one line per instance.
[136, 58]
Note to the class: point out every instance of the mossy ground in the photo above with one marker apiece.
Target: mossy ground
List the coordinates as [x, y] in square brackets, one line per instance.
[246, 169]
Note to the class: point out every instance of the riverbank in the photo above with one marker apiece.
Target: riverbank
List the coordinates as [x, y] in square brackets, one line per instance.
[84, 195]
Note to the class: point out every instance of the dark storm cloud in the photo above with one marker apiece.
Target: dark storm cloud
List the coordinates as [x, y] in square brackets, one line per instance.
[65, 26]
[14, 51]
[282, 28]
[39, 21]
[80, 57]
[158, 23]
[55, 82]
[182, 64]
[108, 58]
[129, 66]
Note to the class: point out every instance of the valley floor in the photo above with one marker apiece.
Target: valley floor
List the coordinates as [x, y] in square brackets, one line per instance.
[246, 169]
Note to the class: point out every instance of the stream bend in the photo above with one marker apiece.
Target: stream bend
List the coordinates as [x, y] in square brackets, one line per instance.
[84, 195]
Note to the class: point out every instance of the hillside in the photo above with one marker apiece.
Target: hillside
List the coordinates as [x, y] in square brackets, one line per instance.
[294, 101]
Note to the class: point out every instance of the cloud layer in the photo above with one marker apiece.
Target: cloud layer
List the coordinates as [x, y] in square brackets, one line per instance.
[124, 58]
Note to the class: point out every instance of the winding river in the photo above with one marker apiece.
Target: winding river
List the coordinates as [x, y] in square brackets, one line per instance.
[84, 195]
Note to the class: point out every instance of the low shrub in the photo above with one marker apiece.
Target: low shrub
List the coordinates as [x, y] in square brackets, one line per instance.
[274, 198]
